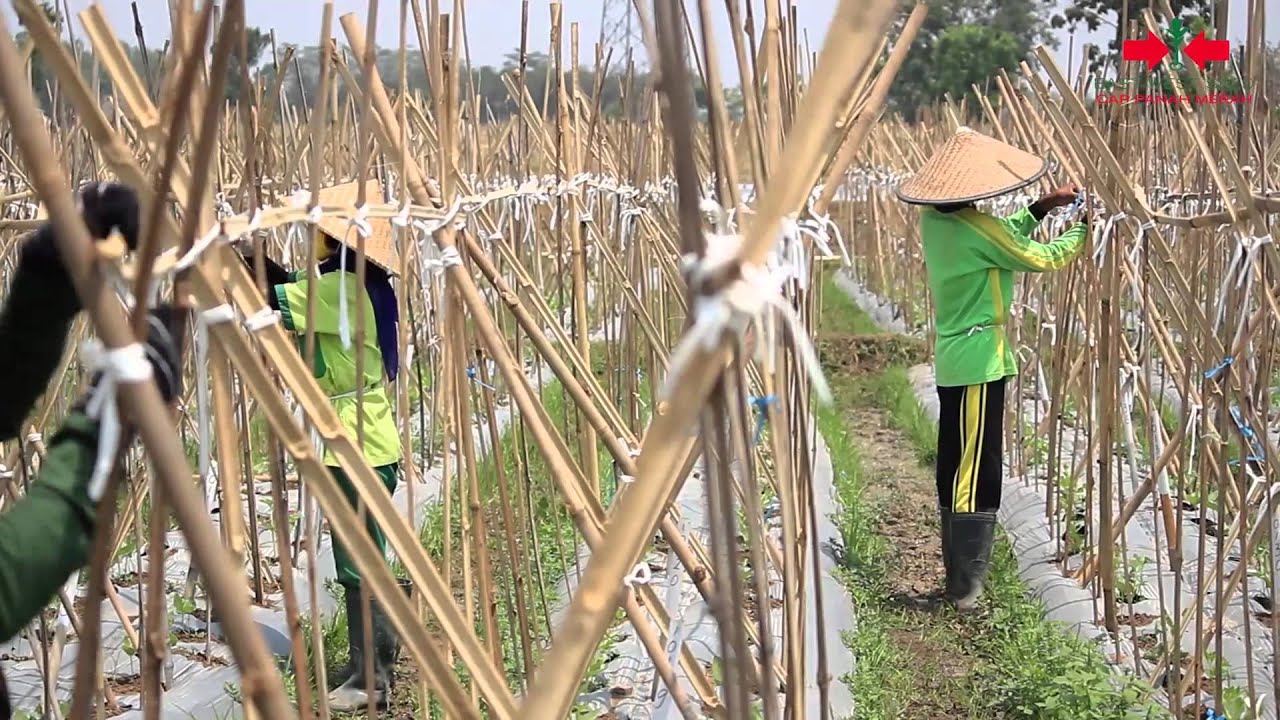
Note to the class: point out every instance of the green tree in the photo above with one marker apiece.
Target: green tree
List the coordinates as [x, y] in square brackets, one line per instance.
[994, 23]
[256, 43]
[965, 55]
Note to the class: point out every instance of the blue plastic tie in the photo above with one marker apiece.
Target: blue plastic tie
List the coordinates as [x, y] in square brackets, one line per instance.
[474, 377]
[1250, 458]
[1211, 714]
[1249, 435]
[1215, 372]
[761, 404]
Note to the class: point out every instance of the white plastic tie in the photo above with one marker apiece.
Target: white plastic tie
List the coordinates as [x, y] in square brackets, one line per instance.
[632, 450]
[450, 257]
[264, 318]
[223, 313]
[360, 221]
[641, 574]
[401, 218]
[315, 215]
[123, 365]
[737, 306]
[213, 316]
[344, 321]
[35, 438]
[1250, 245]
[198, 249]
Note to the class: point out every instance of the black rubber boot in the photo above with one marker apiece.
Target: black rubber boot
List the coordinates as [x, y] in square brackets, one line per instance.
[386, 644]
[972, 536]
[355, 635]
[386, 648]
[348, 683]
[352, 696]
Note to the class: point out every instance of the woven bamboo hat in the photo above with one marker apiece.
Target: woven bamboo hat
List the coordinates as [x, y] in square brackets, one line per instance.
[380, 247]
[970, 167]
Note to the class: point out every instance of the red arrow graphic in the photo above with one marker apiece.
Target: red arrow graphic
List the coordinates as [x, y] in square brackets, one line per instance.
[1150, 50]
[1202, 51]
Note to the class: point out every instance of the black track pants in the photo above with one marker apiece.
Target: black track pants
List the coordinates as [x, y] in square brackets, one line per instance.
[970, 447]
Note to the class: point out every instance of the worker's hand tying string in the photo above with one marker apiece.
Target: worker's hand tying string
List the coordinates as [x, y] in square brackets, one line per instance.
[1060, 197]
[134, 363]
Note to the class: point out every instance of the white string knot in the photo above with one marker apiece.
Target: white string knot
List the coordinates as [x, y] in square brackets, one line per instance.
[632, 450]
[450, 257]
[736, 307]
[1243, 262]
[5, 472]
[315, 215]
[123, 365]
[640, 575]
[360, 221]
[790, 258]
[401, 218]
[216, 235]
[828, 228]
[264, 318]
[1130, 370]
[1104, 238]
[223, 313]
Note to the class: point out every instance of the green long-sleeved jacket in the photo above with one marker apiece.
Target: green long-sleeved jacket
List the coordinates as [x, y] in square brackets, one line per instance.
[970, 258]
[45, 536]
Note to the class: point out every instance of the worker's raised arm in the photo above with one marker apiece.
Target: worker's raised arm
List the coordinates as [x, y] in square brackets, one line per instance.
[1005, 247]
[42, 303]
[1025, 220]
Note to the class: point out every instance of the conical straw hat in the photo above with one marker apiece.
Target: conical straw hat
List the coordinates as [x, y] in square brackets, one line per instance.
[379, 248]
[971, 167]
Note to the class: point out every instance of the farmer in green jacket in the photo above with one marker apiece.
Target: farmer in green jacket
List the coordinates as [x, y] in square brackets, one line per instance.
[970, 260]
[45, 535]
[371, 421]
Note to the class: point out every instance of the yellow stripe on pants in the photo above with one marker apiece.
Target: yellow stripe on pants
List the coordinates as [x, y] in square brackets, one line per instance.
[964, 488]
[981, 423]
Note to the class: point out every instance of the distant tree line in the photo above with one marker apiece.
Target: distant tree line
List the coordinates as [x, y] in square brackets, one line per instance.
[622, 90]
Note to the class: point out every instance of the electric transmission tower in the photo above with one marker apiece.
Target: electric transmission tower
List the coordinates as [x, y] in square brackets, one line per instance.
[621, 29]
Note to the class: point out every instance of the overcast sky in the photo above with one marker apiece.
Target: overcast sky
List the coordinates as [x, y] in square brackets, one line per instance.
[493, 26]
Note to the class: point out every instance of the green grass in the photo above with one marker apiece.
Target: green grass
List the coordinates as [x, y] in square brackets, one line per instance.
[839, 313]
[880, 677]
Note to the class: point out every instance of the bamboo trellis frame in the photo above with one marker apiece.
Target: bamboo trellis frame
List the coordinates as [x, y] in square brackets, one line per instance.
[652, 220]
